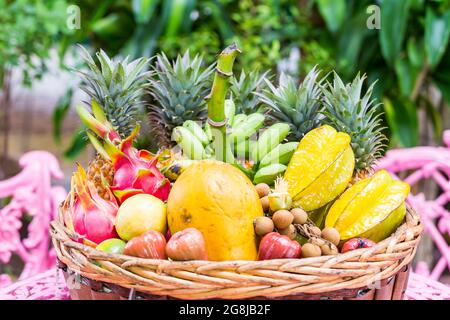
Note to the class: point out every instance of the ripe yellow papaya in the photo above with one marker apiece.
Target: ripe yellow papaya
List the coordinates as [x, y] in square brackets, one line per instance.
[373, 208]
[321, 168]
[221, 202]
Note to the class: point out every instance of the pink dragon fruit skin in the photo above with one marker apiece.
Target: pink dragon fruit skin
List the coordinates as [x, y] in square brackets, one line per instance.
[90, 216]
[135, 170]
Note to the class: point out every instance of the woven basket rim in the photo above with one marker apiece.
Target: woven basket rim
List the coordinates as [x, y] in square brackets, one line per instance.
[240, 279]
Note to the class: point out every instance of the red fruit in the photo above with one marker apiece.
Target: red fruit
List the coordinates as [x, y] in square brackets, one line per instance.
[151, 245]
[357, 243]
[276, 246]
[187, 244]
[87, 213]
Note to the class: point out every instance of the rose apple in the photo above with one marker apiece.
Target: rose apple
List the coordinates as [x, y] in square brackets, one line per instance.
[276, 246]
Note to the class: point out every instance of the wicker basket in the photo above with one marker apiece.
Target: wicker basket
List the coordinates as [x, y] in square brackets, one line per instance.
[377, 273]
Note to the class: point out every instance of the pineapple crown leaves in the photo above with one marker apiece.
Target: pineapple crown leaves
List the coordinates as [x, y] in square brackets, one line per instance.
[179, 88]
[297, 105]
[118, 86]
[357, 115]
[244, 89]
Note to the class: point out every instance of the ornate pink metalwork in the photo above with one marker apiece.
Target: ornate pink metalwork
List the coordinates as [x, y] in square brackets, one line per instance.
[47, 285]
[423, 288]
[31, 194]
[422, 163]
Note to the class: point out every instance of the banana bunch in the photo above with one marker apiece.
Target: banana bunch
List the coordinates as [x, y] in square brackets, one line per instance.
[267, 155]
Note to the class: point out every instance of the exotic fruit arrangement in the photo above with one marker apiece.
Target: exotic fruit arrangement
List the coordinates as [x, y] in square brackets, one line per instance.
[247, 170]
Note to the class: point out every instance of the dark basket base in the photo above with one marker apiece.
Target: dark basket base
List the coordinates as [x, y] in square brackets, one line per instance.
[82, 288]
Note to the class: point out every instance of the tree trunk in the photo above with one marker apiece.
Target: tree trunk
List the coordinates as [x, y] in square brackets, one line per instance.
[5, 122]
[428, 187]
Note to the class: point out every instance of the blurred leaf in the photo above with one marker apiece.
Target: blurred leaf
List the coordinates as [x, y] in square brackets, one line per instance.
[434, 116]
[444, 87]
[350, 42]
[385, 80]
[101, 10]
[441, 76]
[59, 113]
[77, 145]
[416, 52]
[394, 17]
[417, 4]
[437, 32]
[108, 26]
[406, 74]
[333, 12]
[186, 24]
[143, 43]
[221, 19]
[177, 14]
[401, 116]
[143, 10]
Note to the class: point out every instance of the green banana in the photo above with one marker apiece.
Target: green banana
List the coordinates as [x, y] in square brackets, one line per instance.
[175, 168]
[197, 131]
[282, 153]
[269, 139]
[192, 147]
[254, 118]
[208, 131]
[269, 174]
[209, 151]
[242, 148]
[248, 127]
[238, 119]
[230, 110]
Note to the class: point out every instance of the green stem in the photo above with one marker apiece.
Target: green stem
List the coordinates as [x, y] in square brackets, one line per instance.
[216, 103]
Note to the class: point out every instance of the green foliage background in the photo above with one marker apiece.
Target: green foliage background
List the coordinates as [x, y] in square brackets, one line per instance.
[409, 55]
[29, 29]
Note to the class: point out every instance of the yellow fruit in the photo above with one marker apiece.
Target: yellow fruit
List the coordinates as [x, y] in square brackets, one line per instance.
[320, 168]
[222, 203]
[139, 214]
[372, 208]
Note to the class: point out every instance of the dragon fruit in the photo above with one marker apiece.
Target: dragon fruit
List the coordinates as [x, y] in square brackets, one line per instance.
[135, 170]
[88, 214]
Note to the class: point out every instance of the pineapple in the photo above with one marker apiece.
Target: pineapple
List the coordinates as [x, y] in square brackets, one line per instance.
[348, 112]
[101, 173]
[299, 106]
[117, 86]
[244, 91]
[178, 91]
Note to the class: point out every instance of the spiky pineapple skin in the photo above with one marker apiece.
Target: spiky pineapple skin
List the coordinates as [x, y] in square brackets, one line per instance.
[178, 91]
[297, 105]
[357, 115]
[101, 173]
